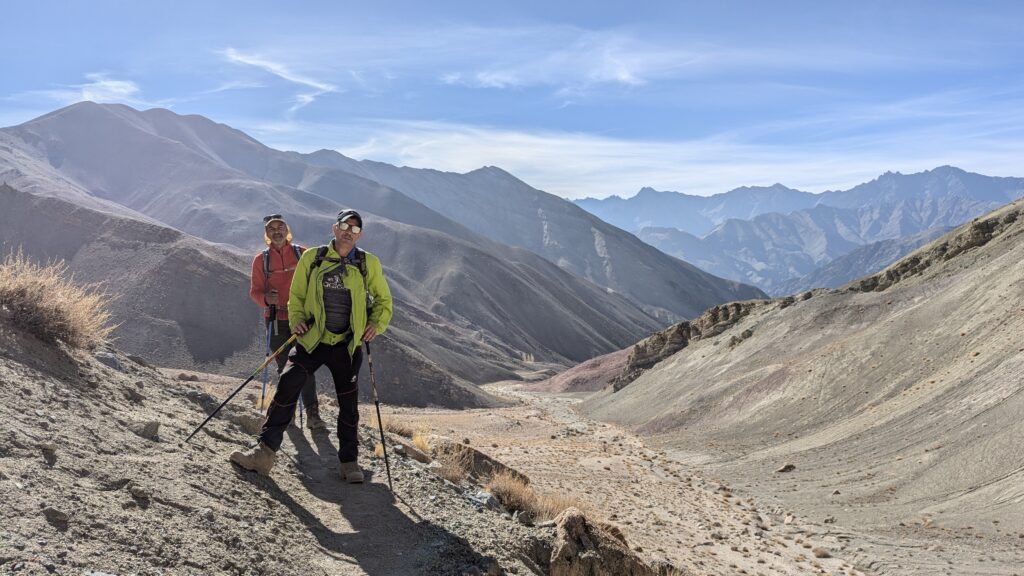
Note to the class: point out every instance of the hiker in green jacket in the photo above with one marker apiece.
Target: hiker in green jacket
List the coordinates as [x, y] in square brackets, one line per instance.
[338, 299]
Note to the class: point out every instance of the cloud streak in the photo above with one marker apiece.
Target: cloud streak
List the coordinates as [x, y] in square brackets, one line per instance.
[575, 165]
[100, 87]
[283, 72]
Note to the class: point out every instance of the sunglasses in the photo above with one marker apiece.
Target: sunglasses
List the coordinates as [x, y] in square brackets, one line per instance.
[272, 217]
[346, 226]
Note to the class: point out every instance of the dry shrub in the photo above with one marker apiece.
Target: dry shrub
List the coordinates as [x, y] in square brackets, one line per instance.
[821, 553]
[456, 463]
[419, 440]
[515, 494]
[512, 492]
[45, 301]
[398, 427]
[551, 505]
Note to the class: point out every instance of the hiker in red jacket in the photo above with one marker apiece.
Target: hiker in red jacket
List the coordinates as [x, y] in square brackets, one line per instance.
[272, 272]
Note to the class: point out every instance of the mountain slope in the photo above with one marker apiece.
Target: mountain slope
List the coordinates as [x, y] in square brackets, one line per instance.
[95, 480]
[495, 204]
[180, 301]
[862, 261]
[194, 174]
[900, 394]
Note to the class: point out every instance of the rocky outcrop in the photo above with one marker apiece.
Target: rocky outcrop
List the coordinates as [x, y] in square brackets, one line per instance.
[582, 548]
[661, 345]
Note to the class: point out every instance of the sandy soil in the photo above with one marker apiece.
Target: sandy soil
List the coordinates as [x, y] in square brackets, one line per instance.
[666, 510]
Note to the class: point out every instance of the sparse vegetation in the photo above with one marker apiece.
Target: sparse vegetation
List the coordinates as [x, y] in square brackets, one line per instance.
[821, 553]
[515, 494]
[456, 463]
[45, 301]
[419, 440]
[398, 427]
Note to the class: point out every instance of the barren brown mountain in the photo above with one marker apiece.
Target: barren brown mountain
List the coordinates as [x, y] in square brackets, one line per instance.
[890, 409]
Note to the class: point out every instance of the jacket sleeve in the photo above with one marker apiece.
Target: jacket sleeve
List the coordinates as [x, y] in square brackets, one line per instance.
[297, 292]
[258, 282]
[380, 314]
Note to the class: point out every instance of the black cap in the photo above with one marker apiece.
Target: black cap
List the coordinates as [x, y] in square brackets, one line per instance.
[349, 213]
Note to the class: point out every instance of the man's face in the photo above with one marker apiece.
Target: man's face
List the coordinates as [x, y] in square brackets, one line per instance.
[277, 231]
[346, 239]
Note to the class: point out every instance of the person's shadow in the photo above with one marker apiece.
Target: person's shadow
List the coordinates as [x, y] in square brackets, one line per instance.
[371, 530]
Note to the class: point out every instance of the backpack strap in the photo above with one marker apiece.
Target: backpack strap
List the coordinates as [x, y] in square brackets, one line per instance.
[360, 262]
[321, 254]
[266, 264]
[266, 259]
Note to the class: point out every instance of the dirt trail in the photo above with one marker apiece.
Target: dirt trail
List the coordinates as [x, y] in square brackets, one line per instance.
[666, 511]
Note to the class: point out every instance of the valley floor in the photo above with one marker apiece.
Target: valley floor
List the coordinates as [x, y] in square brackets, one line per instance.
[672, 509]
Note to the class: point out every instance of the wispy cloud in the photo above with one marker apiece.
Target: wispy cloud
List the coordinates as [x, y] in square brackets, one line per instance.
[284, 72]
[575, 165]
[100, 87]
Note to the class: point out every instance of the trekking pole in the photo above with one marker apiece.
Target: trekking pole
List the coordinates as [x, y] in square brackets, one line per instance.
[271, 321]
[380, 423]
[242, 385]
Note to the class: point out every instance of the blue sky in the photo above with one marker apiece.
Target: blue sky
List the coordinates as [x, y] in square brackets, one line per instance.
[576, 98]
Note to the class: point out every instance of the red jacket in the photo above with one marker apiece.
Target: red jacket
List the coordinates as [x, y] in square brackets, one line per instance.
[282, 266]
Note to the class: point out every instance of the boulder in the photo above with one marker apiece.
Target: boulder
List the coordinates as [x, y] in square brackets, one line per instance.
[582, 548]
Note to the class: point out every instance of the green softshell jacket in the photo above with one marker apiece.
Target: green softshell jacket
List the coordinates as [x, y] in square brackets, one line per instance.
[306, 299]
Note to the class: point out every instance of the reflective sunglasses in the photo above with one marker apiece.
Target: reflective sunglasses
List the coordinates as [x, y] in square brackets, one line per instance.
[346, 226]
[272, 217]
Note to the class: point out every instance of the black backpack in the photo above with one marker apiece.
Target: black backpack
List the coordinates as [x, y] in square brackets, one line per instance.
[359, 261]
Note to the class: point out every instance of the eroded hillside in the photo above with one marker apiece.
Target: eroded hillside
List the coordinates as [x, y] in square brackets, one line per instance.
[893, 405]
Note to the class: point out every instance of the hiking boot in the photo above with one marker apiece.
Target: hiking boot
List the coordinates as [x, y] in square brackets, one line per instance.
[351, 473]
[314, 422]
[260, 458]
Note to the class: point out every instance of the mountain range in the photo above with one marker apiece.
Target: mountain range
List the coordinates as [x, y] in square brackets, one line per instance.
[774, 236]
[471, 307]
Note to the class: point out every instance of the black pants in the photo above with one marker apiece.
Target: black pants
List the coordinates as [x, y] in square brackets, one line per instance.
[309, 399]
[344, 371]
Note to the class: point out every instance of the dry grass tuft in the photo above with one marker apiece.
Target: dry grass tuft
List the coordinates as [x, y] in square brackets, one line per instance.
[419, 440]
[551, 505]
[398, 427]
[512, 492]
[456, 463]
[515, 494]
[378, 450]
[821, 553]
[44, 300]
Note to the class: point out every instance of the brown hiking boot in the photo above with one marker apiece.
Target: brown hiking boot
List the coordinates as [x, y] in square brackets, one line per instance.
[314, 422]
[351, 473]
[260, 458]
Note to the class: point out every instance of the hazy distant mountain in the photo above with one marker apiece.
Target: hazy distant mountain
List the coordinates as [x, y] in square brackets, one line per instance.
[862, 261]
[494, 203]
[767, 250]
[697, 215]
[774, 249]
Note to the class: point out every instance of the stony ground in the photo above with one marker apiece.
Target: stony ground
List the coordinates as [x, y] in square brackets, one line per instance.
[94, 479]
[666, 510]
